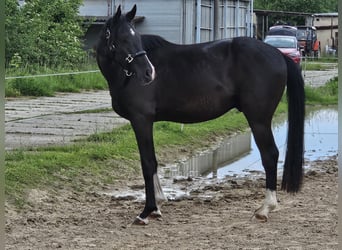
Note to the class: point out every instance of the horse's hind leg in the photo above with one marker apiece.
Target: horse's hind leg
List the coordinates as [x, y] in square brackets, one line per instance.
[263, 136]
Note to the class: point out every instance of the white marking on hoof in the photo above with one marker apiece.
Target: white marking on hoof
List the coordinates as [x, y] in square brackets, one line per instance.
[140, 221]
[156, 214]
[270, 204]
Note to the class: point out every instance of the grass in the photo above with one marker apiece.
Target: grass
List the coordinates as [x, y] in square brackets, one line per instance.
[323, 63]
[324, 95]
[106, 157]
[317, 66]
[49, 85]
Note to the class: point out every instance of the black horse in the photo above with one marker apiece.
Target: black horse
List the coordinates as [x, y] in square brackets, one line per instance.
[199, 82]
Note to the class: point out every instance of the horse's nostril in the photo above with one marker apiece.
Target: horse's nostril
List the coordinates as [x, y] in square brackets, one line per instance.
[149, 73]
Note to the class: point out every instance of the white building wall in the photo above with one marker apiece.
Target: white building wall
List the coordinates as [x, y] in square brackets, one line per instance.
[96, 8]
[181, 21]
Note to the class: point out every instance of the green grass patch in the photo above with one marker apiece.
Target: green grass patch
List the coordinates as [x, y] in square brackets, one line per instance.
[309, 65]
[324, 95]
[49, 85]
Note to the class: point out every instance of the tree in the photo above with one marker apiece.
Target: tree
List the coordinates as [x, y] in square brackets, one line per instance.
[43, 32]
[306, 6]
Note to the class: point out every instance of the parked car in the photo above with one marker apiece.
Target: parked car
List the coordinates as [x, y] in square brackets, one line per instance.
[306, 37]
[282, 30]
[288, 45]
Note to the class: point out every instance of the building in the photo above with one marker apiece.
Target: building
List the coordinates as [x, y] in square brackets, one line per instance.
[262, 20]
[179, 21]
[327, 31]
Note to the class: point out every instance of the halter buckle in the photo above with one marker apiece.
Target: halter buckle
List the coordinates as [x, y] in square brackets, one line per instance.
[129, 58]
[128, 73]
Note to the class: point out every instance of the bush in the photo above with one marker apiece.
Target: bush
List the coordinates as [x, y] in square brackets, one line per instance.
[31, 87]
[43, 32]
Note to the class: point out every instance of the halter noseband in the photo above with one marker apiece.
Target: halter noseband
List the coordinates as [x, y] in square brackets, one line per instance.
[129, 59]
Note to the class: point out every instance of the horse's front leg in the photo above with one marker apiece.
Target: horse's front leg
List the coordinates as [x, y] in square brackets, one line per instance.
[143, 129]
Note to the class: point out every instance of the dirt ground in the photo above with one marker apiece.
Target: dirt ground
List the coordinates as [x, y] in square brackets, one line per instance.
[216, 216]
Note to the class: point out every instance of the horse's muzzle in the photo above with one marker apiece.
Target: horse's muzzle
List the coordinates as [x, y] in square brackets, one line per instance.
[150, 73]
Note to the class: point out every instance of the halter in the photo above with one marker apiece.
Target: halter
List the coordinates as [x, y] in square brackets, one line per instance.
[129, 59]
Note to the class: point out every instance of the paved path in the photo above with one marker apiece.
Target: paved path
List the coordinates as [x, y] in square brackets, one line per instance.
[61, 119]
[319, 78]
[57, 120]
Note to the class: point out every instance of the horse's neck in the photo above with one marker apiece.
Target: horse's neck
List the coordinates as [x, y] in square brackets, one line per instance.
[151, 42]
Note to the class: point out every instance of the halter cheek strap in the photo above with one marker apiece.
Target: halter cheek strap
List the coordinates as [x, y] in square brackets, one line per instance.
[130, 57]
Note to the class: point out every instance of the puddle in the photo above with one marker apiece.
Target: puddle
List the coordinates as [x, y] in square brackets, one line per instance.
[203, 162]
[178, 180]
[321, 133]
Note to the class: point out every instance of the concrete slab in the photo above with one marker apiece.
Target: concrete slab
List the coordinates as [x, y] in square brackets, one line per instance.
[57, 120]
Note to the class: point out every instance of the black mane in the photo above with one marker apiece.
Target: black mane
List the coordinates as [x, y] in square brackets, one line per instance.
[150, 42]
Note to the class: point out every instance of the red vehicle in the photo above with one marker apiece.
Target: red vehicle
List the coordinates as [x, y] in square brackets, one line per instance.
[288, 45]
[306, 36]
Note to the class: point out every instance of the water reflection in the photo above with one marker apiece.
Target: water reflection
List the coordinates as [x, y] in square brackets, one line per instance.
[321, 141]
[228, 149]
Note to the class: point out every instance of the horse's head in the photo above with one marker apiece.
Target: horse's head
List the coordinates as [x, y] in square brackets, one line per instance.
[124, 45]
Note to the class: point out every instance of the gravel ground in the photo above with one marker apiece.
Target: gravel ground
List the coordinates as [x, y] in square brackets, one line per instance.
[216, 216]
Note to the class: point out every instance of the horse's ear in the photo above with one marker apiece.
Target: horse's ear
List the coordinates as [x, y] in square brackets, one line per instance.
[117, 14]
[130, 15]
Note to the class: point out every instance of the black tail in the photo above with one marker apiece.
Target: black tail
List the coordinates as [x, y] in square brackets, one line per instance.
[293, 167]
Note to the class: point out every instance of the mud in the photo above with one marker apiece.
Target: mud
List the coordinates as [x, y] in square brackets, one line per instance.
[216, 216]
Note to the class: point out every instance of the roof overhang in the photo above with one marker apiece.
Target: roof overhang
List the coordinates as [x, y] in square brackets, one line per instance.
[100, 20]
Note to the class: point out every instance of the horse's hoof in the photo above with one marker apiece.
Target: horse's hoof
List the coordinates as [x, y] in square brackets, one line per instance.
[140, 221]
[155, 214]
[260, 217]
